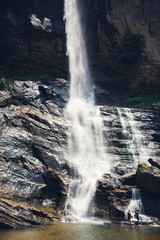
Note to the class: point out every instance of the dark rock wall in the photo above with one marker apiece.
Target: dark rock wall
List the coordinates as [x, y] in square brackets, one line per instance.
[108, 21]
[38, 45]
[115, 17]
[111, 19]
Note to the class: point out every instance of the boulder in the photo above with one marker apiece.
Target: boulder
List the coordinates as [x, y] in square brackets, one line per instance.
[111, 199]
[148, 178]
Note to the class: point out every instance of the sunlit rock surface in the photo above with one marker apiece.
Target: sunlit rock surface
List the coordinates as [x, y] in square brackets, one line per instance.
[18, 215]
[33, 142]
[148, 178]
[111, 198]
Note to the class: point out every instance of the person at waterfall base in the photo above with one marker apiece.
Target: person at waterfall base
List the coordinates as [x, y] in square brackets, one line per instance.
[132, 224]
[129, 215]
[137, 214]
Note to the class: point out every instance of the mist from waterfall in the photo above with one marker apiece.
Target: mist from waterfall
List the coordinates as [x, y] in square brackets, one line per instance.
[86, 152]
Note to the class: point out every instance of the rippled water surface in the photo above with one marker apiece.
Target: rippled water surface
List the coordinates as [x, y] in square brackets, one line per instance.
[62, 231]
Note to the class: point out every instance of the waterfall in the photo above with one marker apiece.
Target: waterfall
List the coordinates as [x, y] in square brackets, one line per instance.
[136, 203]
[139, 153]
[86, 152]
[133, 136]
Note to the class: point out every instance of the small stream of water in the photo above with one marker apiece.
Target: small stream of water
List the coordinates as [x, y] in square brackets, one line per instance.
[138, 153]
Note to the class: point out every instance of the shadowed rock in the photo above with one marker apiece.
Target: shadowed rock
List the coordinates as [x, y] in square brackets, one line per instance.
[154, 163]
[129, 179]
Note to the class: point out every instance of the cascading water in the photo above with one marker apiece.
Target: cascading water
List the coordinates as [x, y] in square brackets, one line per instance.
[86, 152]
[139, 153]
[136, 203]
[135, 139]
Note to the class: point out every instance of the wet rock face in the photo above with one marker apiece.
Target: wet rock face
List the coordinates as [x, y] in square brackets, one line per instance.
[111, 198]
[124, 152]
[33, 142]
[17, 215]
[135, 143]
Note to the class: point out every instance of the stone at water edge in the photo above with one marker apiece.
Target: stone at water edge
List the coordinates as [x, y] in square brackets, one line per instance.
[111, 199]
[13, 215]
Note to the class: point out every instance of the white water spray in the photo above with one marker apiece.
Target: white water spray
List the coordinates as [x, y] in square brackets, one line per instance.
[139, 153]
[86, 152]
[133, 136]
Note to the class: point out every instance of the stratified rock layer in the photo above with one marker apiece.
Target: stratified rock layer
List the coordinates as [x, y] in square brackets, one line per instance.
[33, 142]
[17, 215]
[111, 198]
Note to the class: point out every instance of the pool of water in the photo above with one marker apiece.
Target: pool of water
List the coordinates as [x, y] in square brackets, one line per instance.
[63, 231]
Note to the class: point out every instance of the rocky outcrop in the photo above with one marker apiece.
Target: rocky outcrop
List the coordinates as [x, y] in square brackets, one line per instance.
[17, 215]
[148, 178]
[111, 198]
[112, 19]
[141, 135]
[33, 142]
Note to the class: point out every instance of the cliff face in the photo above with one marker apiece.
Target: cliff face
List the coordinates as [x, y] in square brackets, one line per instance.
[114, 18]
[33, 35]
[129, 16]
[33, 128]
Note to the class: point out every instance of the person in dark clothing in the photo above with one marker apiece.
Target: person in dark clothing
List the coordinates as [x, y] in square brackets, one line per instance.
[129, 215]
[137, 214]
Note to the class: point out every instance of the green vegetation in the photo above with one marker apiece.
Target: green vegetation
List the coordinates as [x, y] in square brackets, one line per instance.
[17, 58]
[130, 50]
[3, 84]
[33, 72]
[144, 101]
[144, 167]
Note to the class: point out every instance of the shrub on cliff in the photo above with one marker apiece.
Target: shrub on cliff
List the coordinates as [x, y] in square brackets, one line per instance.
[126, 54]
[124, 58]
[3, 84]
